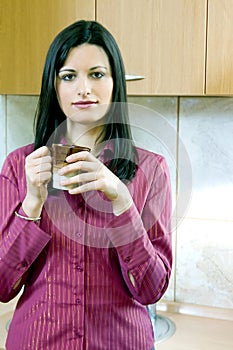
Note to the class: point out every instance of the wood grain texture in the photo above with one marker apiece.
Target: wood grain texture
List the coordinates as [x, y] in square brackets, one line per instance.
[26, 31]
[163, 40]
[219, 78]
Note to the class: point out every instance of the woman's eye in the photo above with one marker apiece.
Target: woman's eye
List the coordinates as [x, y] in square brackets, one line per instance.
[67, 77]
[97, 75]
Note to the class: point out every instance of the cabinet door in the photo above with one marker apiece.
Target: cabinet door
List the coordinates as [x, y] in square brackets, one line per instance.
[26, 30]
[219, 77]
[163, 40]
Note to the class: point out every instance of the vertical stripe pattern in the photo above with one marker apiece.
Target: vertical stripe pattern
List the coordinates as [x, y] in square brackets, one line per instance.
[75, 265]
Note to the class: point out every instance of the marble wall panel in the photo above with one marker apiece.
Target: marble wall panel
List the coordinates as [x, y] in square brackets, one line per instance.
[204, 263]
[206, 128]
[205, 236]
[19, 125]
[154, 125]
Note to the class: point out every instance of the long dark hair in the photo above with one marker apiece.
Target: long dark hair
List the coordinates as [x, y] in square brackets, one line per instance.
[116, 126]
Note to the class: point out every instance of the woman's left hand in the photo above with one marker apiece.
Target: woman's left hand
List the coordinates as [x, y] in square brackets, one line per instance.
[92, 174]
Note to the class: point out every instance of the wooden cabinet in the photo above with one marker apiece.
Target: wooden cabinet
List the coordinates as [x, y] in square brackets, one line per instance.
[163, 40]
[181, 47]
[219, 74]
[27, 28]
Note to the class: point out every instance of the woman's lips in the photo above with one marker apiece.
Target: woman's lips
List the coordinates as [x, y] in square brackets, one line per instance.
[84, 104]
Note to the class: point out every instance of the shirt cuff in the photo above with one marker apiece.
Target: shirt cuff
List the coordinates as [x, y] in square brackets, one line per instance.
[119, 211]
[22, 212]
[25, 242]
[125, 228]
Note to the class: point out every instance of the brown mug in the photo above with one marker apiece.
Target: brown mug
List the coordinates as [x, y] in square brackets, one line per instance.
[59, 154]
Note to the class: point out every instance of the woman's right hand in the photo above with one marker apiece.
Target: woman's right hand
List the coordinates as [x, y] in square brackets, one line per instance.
[38, 167]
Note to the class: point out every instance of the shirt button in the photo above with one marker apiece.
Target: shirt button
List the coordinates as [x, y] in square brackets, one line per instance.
[78, 301]
[22, 266]
[128, 259]
[79, 268]
[79, 335]
[78, 234]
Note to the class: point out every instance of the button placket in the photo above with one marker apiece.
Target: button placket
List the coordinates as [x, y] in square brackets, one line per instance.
[78, 235]
[127, 259]
[79, 268]
[78, 286]
[79, 335]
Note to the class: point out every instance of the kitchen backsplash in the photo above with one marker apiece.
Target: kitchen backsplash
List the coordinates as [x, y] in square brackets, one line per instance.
[195, 134]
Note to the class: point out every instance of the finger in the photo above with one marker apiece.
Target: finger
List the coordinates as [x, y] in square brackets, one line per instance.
[40, 179]
[38, 153]
[83, 155]
[42, 167]
[85, 166]
[37, 166]
[89, 186]
[38, 161]
[80, 178]
[44, 178]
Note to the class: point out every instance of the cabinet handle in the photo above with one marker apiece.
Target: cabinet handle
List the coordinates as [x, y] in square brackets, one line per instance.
[129, 77]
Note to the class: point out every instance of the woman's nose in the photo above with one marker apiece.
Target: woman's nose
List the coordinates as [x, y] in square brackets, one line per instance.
[84, 87]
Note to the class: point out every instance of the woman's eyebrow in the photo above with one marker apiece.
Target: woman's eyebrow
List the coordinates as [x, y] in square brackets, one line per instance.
[96, 67]
[74, 70]
[67, 70]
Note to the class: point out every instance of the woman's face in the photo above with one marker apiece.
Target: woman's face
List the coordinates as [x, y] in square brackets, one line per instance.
[84, 85]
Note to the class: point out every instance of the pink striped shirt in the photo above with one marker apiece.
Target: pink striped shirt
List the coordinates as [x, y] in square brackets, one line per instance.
[87, 274]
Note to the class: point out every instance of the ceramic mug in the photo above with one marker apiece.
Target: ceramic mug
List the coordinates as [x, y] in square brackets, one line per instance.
[59, 154]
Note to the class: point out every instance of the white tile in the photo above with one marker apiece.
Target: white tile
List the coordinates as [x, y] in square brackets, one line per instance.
[206, 129]
[154, 126]
[204, 263]
[20, 117]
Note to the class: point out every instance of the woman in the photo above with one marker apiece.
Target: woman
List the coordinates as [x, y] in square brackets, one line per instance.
[92, 257]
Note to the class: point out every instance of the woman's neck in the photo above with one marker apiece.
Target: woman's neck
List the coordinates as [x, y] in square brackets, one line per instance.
[81, 135]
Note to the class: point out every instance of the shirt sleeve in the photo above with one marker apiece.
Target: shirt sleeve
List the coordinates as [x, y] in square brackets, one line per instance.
[143, 241]
[21, 241]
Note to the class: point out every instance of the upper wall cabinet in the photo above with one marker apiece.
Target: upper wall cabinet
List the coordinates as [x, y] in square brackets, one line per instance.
[219, 77]
[163, 40]
[26, 30]
[169, 42]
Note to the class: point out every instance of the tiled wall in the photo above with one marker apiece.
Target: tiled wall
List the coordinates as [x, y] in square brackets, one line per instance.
[205, 238]
[196, 137]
